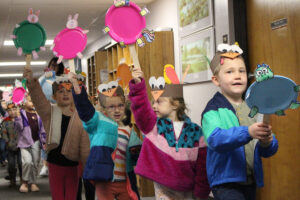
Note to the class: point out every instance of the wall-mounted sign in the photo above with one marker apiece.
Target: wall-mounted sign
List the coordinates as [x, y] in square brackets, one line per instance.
[279, 23]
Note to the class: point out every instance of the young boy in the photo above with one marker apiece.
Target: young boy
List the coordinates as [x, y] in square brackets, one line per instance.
[236, 142]
[10, 135]
[67, 142]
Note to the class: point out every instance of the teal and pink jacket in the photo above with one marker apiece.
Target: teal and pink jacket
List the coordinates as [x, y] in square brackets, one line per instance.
[179, 164]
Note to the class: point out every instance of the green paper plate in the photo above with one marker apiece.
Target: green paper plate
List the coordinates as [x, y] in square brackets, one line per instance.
[30, 37]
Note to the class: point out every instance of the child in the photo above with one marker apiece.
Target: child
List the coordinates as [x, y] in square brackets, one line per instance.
[32, 137]
[67, 142]
[110, 163]
[173, 153]
[236, 142]
[10, 135]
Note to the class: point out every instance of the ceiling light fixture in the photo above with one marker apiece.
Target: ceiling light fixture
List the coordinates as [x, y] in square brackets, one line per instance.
[10, 75]
[11, 43]
[22, 63]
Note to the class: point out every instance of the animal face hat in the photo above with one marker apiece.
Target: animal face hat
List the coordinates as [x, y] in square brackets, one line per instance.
[167, 86]
[109, 90]
[225, 51]
[61, 82]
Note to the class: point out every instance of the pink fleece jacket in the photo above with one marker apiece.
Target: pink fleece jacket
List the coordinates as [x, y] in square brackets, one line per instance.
[181, 170]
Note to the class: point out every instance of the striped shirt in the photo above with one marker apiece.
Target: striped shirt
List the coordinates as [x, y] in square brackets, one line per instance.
[120, 159]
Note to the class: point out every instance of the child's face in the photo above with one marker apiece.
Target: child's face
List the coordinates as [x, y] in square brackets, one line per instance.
[63, 97]
[11, 112]
[232, 78]
[115, 108]
[163, 107]
[29, 104]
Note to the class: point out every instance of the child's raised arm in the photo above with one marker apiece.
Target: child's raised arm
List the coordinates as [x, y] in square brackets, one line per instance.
[83, 105]
[143, 113]
[39, 100]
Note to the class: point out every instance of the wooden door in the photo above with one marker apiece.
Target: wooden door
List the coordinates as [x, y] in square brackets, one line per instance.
[280, 48]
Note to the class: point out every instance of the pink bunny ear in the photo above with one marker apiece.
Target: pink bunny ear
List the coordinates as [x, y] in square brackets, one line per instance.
[37, 13]
[76, 16]
[69, 17]
[30, 11]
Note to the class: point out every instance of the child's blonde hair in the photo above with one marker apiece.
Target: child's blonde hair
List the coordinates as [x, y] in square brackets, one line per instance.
[215, 64]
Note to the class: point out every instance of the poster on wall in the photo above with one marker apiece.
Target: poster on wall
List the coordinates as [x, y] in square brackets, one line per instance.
[197, 50]
[194, 15]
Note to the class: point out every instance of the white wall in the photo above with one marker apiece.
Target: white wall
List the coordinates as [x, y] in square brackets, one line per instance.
[163, 14]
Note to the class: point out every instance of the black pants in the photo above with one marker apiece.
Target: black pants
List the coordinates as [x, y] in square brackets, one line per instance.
[234, 191]
[88, 188]
[14, 157]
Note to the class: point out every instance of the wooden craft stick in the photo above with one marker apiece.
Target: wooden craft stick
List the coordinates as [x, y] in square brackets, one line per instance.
[72, 65]
[134, 56]
[28, 60]
[263, 118]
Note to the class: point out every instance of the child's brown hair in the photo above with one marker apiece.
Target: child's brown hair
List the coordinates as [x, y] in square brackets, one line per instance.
[181, 107]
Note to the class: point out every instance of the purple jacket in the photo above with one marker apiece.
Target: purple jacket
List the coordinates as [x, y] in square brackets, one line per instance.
[181, 168]
[22, 126]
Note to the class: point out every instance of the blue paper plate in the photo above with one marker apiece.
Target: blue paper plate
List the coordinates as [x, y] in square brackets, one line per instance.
[271, 95]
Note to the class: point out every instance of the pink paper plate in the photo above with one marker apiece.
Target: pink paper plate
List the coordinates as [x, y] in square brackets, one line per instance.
[125, 23]
[69, 42]
[18, 95]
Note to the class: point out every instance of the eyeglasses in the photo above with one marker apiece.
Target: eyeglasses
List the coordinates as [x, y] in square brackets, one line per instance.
[114, 107]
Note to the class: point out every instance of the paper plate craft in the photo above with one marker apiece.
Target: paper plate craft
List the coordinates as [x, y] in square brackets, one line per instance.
[6, 96]
[124, 75]
[167, 86]
[70, 42]
[271, 94]
[18, 95]
[29, 36]
[125, 23]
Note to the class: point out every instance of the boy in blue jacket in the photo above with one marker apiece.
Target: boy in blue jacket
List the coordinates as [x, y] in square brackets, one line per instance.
[236, 142]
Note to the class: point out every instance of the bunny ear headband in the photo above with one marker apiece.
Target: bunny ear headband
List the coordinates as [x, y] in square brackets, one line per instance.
[167, 86]
[225, 51]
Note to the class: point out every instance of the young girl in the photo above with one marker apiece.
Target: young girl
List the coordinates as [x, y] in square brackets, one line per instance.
[10, 135]
[111, 160]
[31, 138]
[173, 153]
[67, 142]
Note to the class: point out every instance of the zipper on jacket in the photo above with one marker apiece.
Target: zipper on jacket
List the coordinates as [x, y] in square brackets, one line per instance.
[176, 139]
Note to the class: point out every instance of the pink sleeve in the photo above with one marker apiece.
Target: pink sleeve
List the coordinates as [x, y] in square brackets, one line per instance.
[201, 188]
[140, 105]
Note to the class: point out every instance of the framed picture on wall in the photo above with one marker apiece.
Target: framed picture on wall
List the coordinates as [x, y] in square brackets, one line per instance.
[197, 50]
[194, 15]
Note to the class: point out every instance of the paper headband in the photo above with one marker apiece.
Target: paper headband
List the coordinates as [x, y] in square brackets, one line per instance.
[110, 89]
[225, 51]
[173, 88]
[10, 105]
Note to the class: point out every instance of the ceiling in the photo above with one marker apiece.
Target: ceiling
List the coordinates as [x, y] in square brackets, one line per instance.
[53, 17]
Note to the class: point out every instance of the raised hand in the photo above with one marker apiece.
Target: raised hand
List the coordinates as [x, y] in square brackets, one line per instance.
[137, 75]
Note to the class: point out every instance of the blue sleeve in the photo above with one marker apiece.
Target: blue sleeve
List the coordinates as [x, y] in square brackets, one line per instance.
[91, 125]
[83, 105]
[222, 140]
[270, 150]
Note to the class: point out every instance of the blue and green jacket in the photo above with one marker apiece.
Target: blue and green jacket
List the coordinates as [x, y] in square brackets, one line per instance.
[226, 160]
[103, 134]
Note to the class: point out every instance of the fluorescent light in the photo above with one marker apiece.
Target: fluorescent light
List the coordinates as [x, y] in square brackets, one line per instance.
[10, 75]
[11, 43]
[22, 63]
[8, 43]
